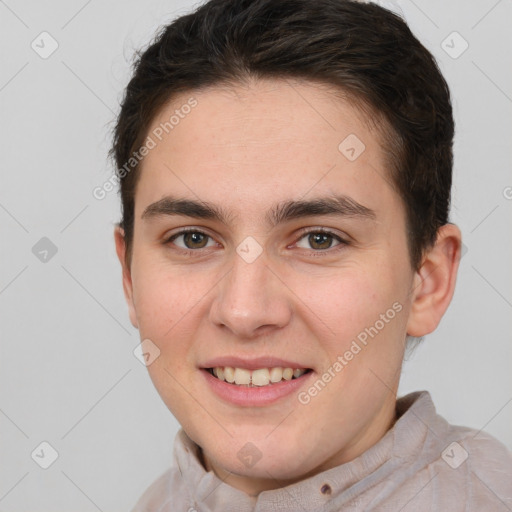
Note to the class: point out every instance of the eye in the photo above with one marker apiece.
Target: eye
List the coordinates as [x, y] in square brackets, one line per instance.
[320, 240]
[191, 239]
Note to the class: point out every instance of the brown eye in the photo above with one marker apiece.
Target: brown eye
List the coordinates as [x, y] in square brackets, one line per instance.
[195, 240]
[190, 240]
[319, 240]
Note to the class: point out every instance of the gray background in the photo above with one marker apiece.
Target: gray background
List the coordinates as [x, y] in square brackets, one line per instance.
[68, 375]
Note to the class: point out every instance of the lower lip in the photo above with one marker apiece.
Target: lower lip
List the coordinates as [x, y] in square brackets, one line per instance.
[257, 395]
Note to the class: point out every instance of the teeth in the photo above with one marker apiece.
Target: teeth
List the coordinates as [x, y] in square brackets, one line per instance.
[276, 374]
[229, 374]
[287, 374]
[259, 377]
[242, 376]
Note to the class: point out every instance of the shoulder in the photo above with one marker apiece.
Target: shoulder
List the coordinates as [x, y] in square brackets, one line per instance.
[450, 467]
[161, 495]
[172, 490]
[478, 465]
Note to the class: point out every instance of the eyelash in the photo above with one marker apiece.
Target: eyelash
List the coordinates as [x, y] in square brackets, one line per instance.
[304, 233]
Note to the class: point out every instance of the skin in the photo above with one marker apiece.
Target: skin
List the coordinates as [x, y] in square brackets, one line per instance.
[246, 148]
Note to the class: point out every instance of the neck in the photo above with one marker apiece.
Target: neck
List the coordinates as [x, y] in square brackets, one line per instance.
[382, 422]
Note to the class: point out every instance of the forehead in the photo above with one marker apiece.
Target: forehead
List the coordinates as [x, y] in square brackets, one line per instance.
[264, 140]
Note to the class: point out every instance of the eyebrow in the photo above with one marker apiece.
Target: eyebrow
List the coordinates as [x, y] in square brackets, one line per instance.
[280, 213]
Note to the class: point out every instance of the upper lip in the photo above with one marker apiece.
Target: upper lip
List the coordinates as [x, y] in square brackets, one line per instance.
[253, 363]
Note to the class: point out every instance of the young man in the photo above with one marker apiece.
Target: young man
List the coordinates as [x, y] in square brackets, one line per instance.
[285, 172]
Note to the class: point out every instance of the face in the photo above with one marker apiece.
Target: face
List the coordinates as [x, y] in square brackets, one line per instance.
[294, 256]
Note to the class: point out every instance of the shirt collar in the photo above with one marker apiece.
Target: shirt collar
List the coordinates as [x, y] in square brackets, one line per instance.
[415, 432]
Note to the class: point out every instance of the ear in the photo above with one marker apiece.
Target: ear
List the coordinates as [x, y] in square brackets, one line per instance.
[127, 278]
[434, 282]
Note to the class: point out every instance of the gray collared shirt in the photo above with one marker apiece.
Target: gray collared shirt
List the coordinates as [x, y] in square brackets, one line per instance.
[421, 464]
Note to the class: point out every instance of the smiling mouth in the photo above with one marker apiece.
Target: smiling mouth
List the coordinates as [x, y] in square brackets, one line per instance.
[256, 378]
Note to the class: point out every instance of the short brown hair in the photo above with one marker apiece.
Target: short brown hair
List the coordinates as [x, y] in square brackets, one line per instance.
[361, 49]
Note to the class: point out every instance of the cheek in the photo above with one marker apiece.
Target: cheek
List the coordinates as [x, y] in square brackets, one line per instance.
[361, 304]
[168, 305]
[165, 298]
[345, 301]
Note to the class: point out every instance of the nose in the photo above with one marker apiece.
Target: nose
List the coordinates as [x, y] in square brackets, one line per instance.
[252, 300]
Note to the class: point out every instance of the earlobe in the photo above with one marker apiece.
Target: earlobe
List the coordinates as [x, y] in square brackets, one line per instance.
[126, 271]
[434, 282]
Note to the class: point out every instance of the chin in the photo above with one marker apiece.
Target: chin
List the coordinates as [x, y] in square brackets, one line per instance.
[265, 463]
